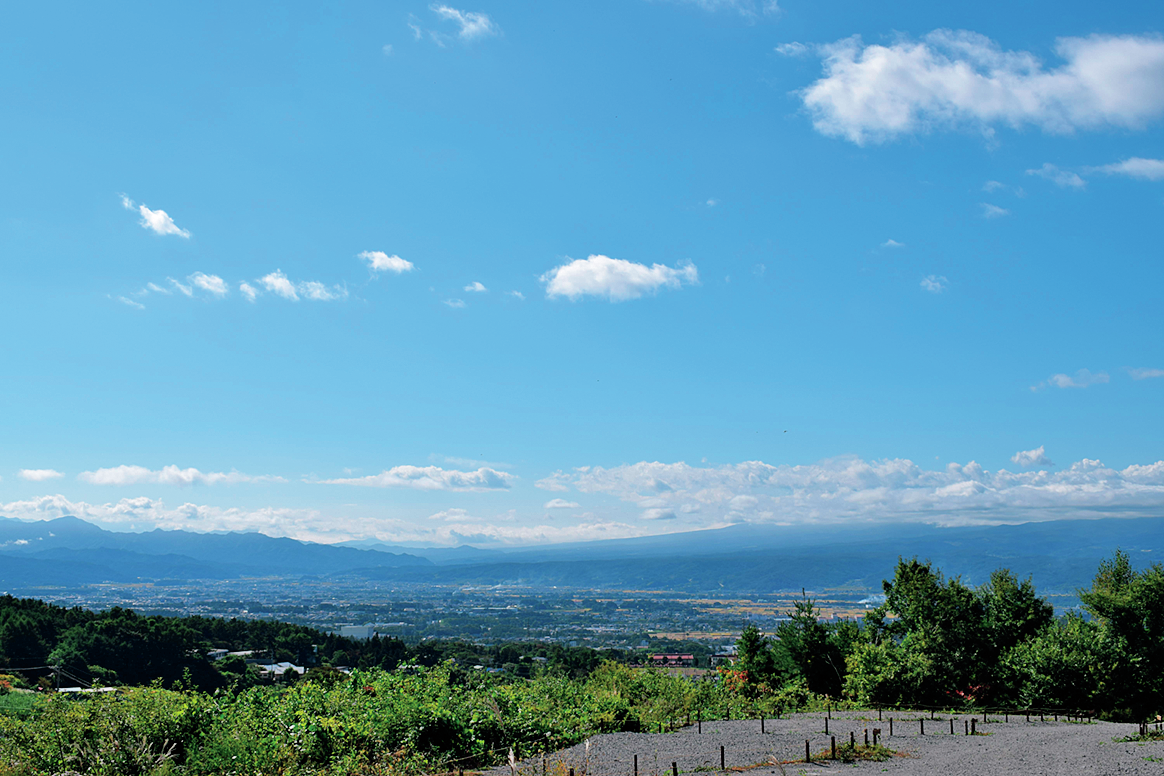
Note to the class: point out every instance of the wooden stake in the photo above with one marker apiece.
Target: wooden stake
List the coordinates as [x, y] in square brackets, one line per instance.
[636, 765]
[721, 765]
[674, 768]
[833, 745]
[807, 754]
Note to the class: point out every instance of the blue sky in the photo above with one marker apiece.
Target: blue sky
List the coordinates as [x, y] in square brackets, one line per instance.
[509, 273]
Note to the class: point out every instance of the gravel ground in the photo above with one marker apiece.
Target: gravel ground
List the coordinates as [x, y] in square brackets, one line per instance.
[1015, 747]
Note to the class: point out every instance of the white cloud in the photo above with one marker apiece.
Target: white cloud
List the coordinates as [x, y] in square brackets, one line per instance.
[991, 186]
[1081, 379]
[278, 283]
[848, 489]
[39, 475]
[1144, 374]
[157, 221]
[1136, 167]
[387, 49]
[168, 475]
[891, 243]
[154, 287]
[747, 8]
[186, 290]
[248, 291]
[1062, 178]
[127, 301]
[516, 295]
[318, 292]
[1031, 458]
[616, 279]
[557, 482]
[993, 211]
[935, 284]
[212, 283]
[432, 478]
[472, 24]
[712, 202]
[378, 261]
[456, 304]
[957, 78]
[561, 503]
[476, 287]
[793, 49]
[313, 525]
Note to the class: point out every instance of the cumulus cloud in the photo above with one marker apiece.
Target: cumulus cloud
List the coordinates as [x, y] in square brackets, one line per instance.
[473, 25]
[1144, 374]
[993, 211]
[279, 284]
[954, 79]
[558, 482]
[516, 295]
[1031, 458]
[39, 475]
[248, 291]
[432, 478]
[616, 279]
[476, 287]
[212, 283]
[314, 525]
[1062, 178]
[1136, 167]
[561, 503]
[168, 475]
[935, 284]
[1081, 379]
[157, 221]
[378, 261]
[847, 489]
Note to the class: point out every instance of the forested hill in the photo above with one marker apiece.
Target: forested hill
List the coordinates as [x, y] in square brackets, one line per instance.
[119, 646]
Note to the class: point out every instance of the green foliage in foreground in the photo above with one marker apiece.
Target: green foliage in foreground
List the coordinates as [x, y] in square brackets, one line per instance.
[412, 720]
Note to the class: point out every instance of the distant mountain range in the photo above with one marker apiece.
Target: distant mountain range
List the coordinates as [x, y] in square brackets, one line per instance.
[1060, 555]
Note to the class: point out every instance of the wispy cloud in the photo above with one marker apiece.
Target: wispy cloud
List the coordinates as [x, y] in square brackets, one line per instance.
[248, 291]
[794, 49]
[168, 475]
[955, 79]
[476, 287]
[39, 475]
[891, 243]
[616, 279]
[473, 24]
[431, 478]
[456, 304]
[212, 283]
[992, 186]
[127, 301]
[1031, 458]
[1145, 374]
[993, 211]
[279, 284]
[157, 221]
[186, 290]
[746, 8]
[516, 295]
[379, 261]
[935, 284]
[1061, 178]
[1081, 379]
[1136, 167]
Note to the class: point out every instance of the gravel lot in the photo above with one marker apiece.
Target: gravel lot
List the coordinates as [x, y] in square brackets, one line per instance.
[1015, 747]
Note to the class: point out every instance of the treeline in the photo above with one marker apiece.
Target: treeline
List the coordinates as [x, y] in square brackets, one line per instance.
[937, 642]
[120, 647]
